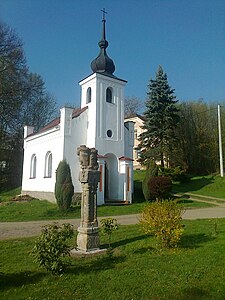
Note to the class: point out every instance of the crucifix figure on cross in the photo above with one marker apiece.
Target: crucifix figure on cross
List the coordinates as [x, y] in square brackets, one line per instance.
[103, 13]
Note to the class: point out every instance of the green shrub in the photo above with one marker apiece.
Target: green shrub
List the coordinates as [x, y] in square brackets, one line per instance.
[151, 171]
[51, 249]
[159, 187]
[108, 225]
[176, 173]
[63, 186]
[163, 219]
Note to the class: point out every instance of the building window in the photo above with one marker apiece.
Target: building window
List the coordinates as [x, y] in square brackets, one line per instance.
[139, 153]
[33, 166]
[136, 154]
[128, 179]
[109, 95]
[135, 134]
[100, 182]
[88, 95]
[109, 133]
[48, 165]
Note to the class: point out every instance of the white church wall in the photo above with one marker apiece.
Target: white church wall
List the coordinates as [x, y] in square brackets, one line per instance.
[62, 143]
[129, 138]
[101, 185]
[89, 82]
[77, 137]
[39, 145]
[103, 116]
[126, 174]
[110, 116]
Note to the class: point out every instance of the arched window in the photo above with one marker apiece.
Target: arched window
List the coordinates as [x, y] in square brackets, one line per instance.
[48, 164]
[109, 95]
[88, 95]
[33, 166]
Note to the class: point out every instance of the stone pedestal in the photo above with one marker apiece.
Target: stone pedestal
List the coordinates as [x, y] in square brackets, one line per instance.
[88, 239]
[88, 231]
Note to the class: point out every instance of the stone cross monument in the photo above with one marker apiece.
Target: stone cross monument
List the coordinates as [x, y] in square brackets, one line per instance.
[88, 231]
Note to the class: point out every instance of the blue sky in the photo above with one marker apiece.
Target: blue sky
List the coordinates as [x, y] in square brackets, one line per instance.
[185, 37]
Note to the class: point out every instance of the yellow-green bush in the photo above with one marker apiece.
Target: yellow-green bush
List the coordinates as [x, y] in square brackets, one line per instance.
[163, 219]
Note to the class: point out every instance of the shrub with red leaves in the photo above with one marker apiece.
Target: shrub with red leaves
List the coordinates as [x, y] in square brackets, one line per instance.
[159, 187]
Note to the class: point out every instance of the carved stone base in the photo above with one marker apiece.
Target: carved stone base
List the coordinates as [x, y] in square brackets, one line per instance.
[88, 239]
[93, 253]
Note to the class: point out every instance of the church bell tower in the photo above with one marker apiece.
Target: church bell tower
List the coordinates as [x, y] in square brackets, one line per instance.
[103, 93]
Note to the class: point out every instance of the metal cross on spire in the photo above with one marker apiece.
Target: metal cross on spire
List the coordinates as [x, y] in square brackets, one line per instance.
[103, 14]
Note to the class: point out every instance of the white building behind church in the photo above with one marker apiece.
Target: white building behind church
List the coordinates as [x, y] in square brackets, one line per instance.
[99, 123]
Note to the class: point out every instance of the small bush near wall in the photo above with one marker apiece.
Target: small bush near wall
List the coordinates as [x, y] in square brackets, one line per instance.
[159, 187]
[163, 219]
[151, 171]
[63, 186]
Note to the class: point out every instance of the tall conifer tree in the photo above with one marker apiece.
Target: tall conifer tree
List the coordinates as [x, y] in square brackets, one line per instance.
[161, 119]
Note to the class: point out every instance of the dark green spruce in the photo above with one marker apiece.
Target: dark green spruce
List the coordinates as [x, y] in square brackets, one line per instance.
[161, 119]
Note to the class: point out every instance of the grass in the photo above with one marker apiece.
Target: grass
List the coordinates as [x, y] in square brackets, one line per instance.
[44, 210]
[137, 270]
[211, 185]
[7, 195]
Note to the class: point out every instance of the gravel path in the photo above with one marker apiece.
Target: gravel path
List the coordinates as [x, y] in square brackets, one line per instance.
[10, 230]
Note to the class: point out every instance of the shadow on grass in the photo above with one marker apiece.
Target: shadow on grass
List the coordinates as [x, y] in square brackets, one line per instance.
[128, 241]
[101, 263]
[144, 250]
[138, 194]
[185, 201]
[192, 185]
[194, 293]
[192, 241]
[8, 281]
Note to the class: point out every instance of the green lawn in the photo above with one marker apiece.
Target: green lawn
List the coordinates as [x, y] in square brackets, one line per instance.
[211, 185]
[137, 269]
[7, 195]
[44, 210]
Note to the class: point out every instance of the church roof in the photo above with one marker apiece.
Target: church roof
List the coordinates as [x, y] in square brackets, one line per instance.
[76, 113]
[50, 125]
[125, 158]
[133, 116]
[103, 63]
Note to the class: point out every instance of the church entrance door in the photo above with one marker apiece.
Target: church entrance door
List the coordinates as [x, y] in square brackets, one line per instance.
[111, 177]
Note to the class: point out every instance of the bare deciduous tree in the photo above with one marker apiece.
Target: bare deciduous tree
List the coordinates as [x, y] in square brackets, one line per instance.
[23, 101]
[132, 106]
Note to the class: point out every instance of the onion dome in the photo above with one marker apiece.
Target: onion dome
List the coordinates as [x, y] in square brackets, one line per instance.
[103, 63]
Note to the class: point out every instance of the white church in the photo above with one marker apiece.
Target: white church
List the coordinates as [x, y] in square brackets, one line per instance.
[99, 123]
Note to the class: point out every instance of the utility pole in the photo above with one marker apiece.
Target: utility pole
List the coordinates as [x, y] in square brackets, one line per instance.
[220, 143]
